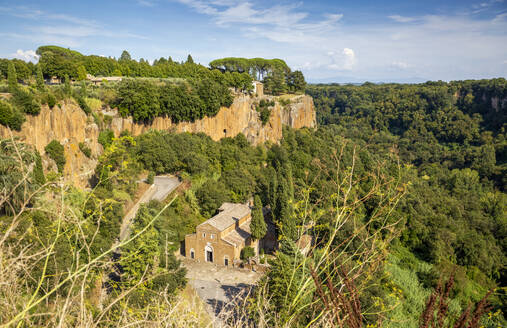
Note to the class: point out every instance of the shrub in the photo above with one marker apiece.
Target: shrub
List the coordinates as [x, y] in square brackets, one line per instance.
[56, 152]
[10, 116]
[85, 149]
[151, 178]
[51, 100]
[25, 101]
[265, 115]
[247, 253]
[84, 106]
[93, 103]
[106, 137]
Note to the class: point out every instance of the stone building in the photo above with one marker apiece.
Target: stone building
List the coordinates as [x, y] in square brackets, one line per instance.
[258, 88]
[220, 239]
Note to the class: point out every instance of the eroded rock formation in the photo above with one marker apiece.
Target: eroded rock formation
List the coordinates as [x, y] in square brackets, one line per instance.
[70, 125]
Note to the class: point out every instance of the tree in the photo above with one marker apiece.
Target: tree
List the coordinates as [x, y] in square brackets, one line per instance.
[258, 225]
[10, 116]
[40, 79]
[275, 83]
[247, 253]
[67, 89]
[81, 73]
[38, 172]
[190, 60]
[297, 81]
[56, 152]
[139, 255]
[283, 211]
[12, 78]
[125, 56]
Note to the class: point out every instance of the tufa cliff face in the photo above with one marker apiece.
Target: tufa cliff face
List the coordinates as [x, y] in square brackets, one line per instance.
[240, 117]
[70, 126]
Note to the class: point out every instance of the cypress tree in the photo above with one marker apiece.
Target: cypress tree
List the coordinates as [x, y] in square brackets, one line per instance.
[38, 172]
[12, 78]
[258, 225]
[272, 190]
[40, 78]
[190, 60]
[66, 86]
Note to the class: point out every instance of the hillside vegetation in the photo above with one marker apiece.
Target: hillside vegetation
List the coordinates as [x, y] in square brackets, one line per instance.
[401, 189]
[182, 91]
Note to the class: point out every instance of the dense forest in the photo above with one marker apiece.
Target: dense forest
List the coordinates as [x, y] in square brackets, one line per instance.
[453, 135]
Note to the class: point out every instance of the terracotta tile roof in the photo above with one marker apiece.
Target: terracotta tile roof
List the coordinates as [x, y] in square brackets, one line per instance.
[229, 214]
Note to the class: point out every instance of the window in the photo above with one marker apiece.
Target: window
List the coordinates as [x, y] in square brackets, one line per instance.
[203, 235]
[226, 262]
[211, 236]
[192, 254]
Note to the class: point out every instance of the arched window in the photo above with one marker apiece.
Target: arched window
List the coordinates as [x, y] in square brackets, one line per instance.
[226, 260]
[192, 253]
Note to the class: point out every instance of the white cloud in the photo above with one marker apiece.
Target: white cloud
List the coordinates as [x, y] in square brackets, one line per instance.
[400, 65]
[401, 19]
[344, 60]
[28, 55]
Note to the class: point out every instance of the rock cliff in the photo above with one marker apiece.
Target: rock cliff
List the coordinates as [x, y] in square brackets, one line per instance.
[70, 125]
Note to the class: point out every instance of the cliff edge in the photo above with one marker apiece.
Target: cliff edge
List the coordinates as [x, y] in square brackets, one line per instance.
[70, 125]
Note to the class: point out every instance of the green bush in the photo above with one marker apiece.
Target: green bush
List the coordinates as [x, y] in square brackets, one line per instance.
[150, 178]
[265, 115]
[247, 253]
[83, 104]
[93, 103]
[25, 101]
[56, 152]
[85, 149]
[51, 100]
[106, 137]
[10, 116]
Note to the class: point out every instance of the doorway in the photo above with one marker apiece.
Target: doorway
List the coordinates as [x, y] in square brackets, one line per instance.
[226, 262]
[208, 253]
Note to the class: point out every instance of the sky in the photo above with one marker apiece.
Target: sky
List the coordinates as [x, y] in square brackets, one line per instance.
[330, 41]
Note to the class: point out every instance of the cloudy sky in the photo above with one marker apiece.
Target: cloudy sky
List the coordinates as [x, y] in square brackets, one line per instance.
[341, 41]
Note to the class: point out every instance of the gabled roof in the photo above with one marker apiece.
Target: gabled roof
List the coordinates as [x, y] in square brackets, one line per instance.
[229, 214]
[238, 236]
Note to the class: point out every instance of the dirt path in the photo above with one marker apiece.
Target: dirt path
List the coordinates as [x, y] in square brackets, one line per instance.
[162, 186]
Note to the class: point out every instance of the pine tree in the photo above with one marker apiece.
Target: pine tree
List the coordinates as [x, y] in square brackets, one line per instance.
[258, 225]
[40, 79]
[190, 60]
[12, 78]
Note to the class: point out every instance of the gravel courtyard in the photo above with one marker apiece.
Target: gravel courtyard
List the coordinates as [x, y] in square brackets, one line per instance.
[219, 287]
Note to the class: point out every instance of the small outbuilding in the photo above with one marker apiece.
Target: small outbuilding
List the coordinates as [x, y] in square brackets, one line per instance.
[258, 88]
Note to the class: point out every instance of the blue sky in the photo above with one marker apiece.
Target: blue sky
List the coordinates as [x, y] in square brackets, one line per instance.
[341, 41]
